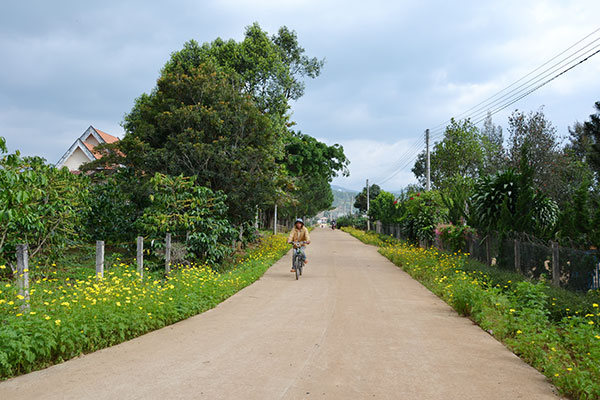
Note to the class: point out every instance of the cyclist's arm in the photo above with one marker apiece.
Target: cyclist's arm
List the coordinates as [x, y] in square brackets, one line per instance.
[307, 237]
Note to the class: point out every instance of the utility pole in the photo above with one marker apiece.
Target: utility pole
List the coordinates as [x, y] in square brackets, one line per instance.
[368, 204]
[427, 163]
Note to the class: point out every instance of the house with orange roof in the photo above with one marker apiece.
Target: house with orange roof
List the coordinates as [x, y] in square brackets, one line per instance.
[83, 150]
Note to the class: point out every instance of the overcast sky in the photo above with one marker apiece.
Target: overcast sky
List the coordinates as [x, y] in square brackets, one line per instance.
[393, 68]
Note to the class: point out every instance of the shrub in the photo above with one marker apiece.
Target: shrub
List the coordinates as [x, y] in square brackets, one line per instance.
[40, 205]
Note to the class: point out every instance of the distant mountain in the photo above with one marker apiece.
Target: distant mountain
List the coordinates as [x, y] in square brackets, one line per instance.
[343, 201]
[337, 188]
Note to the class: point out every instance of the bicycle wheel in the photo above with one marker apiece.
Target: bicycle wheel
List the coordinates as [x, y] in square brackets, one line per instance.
[296, 269]
[300, 266]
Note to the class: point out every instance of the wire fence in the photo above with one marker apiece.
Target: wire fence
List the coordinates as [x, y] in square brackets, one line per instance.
[568, 267]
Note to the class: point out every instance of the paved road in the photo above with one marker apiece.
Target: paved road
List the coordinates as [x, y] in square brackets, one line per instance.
[354, 327]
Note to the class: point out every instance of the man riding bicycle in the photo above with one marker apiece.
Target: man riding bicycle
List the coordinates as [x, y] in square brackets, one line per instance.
[299, 234]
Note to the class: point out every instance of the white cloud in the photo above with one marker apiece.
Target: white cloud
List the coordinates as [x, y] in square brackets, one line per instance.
[377, 161]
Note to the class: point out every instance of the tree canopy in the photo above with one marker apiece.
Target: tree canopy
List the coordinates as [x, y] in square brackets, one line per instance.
[219, 113]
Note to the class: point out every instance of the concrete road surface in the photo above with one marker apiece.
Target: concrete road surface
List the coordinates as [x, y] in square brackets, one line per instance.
[353, 327]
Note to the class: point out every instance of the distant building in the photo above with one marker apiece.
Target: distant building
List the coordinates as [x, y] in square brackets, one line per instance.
[83, 150]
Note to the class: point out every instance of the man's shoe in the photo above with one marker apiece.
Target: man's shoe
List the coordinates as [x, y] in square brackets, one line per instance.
[292, 270]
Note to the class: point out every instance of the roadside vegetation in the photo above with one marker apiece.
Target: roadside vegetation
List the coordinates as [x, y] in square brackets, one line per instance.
[554, 330]
[207, 155]
[70, 316]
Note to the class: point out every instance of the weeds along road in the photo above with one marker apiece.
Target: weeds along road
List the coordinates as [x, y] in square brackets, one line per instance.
[353, 327]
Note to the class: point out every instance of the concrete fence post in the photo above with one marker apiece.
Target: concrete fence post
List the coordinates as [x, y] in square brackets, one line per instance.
[140, 256]
[168, 253]
[23, 275]
[555, 265]
[517, 255]
[100, 258]
[488, 250]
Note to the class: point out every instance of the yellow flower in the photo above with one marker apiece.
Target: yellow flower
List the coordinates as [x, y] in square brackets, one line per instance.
[591, 323]
[569, 369]
[595, 305]
[46, 318]
[519, 332]
[57, 322]
[19, 314]
[32, 313]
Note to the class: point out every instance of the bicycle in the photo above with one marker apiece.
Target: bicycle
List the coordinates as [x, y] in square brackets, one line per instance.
[298, 258]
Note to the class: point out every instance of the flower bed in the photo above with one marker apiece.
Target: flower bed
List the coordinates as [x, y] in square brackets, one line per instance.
[567, 351]
[67, 318]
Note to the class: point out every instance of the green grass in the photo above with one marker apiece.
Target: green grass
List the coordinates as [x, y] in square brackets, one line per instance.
[554, 330]
[72, 312]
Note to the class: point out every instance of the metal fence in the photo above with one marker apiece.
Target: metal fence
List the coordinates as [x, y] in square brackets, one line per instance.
[571, 268]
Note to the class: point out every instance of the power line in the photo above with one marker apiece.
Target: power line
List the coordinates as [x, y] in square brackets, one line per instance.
[533, 83]
[406, 156]
[500, 103]
[443, 125]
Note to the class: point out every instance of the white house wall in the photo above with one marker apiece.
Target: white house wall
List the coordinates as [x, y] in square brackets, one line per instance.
[76, 160]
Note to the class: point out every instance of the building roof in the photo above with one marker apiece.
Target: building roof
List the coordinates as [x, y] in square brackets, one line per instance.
[106, 137]
[87, 148]
[93, 151]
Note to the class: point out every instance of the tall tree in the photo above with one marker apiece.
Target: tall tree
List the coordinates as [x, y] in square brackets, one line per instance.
[197, 123]
[360, 201]
[492, 141]
[312, 165]
[536, 134]
[459, 153]
[270, 69]
[591, 130]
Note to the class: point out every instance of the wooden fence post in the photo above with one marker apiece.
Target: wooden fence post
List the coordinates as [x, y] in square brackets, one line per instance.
[555, 265]
[168, 253]
[488, 249]
[23, 275]
[100, 258]
[140, 256]
[517, 255]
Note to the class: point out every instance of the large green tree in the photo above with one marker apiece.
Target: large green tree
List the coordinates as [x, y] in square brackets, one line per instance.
[591, 130]
[196, 123]
[384, 208]
[492, 141]
[269, 68]
[360, 201]
[219, 112]
[537, 135]
[459, 153]
[312, 165]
